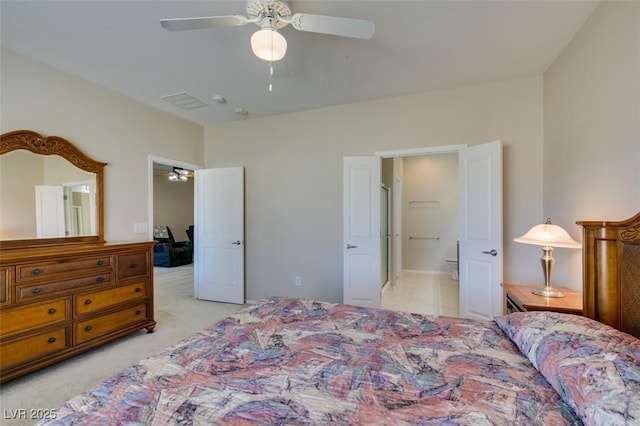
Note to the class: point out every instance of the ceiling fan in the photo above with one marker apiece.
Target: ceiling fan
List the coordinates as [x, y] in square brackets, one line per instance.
[176, 174]
[271, 15]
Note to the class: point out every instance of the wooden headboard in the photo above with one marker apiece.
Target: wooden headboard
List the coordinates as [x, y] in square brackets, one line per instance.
[611, 273]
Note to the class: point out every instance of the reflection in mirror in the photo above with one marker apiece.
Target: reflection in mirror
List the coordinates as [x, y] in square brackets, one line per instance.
[51, 193]
[80, 215]
[45, 196]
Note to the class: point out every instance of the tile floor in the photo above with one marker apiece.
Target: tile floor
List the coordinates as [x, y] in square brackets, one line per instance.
[423, 293]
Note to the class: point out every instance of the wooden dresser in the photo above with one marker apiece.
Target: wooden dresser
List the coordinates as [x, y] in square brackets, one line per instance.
[57, 302]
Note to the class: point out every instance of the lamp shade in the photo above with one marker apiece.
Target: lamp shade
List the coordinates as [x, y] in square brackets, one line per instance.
[548, 234]
[268, 44]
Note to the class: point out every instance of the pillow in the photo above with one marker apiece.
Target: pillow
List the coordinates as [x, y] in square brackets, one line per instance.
[593, 367]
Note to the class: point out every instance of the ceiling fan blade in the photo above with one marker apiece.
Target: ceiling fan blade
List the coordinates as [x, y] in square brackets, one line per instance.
[346, 27]
[180, 24]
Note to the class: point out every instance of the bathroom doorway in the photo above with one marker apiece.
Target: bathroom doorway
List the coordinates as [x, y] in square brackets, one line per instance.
[479, 227]
[424, 230]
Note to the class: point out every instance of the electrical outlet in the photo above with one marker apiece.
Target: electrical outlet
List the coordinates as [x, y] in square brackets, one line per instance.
[298, 281]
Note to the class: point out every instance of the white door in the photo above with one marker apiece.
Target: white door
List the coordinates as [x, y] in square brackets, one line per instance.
[219, 234]
[361, 231]
[480, 229]
[50, 211]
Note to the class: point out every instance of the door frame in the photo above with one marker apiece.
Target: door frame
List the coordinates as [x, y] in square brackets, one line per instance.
[396, 227]
[166, 162]
[411, 152]
[437, 150]
[366, 296]
[66, 188]
[388, 236]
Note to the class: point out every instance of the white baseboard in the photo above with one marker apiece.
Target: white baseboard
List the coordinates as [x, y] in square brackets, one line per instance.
[418, 271]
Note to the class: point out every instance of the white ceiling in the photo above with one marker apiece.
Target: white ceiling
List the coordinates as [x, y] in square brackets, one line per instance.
[418, 46]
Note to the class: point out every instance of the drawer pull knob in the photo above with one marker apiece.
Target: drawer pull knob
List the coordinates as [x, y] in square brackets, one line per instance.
[100, 262]
[51, 340]
[36, 271]
[138, 289]
[52, 310]
[138, 312]
[133, 265]
[100, 279]
[87, 301]
[88, 328]
[36, 291]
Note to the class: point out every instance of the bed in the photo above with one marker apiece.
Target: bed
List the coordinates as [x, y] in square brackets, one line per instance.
[296, 361]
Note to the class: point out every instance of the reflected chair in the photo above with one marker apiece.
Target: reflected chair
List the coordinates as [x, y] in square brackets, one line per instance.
[189, 232]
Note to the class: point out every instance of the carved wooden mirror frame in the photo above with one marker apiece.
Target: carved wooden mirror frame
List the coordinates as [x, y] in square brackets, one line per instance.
[55, 145]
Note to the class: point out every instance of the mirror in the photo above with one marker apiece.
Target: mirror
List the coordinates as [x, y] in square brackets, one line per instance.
[51, 192]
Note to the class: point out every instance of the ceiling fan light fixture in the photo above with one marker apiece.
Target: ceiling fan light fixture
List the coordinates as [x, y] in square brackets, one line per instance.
[179, 175]
[268, 44]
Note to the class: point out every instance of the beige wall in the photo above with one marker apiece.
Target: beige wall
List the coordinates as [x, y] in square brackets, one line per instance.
[592, 128]
[20, 172]
[294, 162]
[173, 205]
[105, 125]
[293, 173]
[429, 178]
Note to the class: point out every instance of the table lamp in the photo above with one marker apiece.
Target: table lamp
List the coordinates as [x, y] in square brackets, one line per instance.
[548, 236]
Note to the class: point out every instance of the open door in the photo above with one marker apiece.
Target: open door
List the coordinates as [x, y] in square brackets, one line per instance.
[361, 231]
[480, 229]
[50, 220]
[219, 235]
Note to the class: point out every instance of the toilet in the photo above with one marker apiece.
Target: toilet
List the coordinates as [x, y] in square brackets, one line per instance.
[453, 264]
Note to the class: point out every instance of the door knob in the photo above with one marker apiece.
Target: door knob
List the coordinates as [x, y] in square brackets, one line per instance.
[236, 243]
[349, 246]
[493, 252]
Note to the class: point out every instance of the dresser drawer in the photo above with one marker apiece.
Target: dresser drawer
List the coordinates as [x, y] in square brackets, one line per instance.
[132, 265]
[57, 301]
[48, 270]
[85, 303]
[4, 285]
[31, 348]
[96, 327]
[27, 292]
[32, 316]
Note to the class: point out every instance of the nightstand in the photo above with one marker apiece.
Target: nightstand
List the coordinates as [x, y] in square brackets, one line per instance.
[518, 298]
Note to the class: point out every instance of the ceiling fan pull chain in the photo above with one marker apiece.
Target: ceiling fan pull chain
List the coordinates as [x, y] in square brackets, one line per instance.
[271, 66]
[270, 76]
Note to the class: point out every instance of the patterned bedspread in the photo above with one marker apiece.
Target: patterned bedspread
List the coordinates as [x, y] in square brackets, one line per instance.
[291, 361]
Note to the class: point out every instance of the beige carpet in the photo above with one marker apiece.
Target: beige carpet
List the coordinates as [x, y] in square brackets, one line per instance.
[178, 315]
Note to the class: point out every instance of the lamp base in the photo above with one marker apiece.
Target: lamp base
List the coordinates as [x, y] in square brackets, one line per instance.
[547, 291]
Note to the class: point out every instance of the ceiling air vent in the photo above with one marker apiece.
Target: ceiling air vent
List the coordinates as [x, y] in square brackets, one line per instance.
[184, 101]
